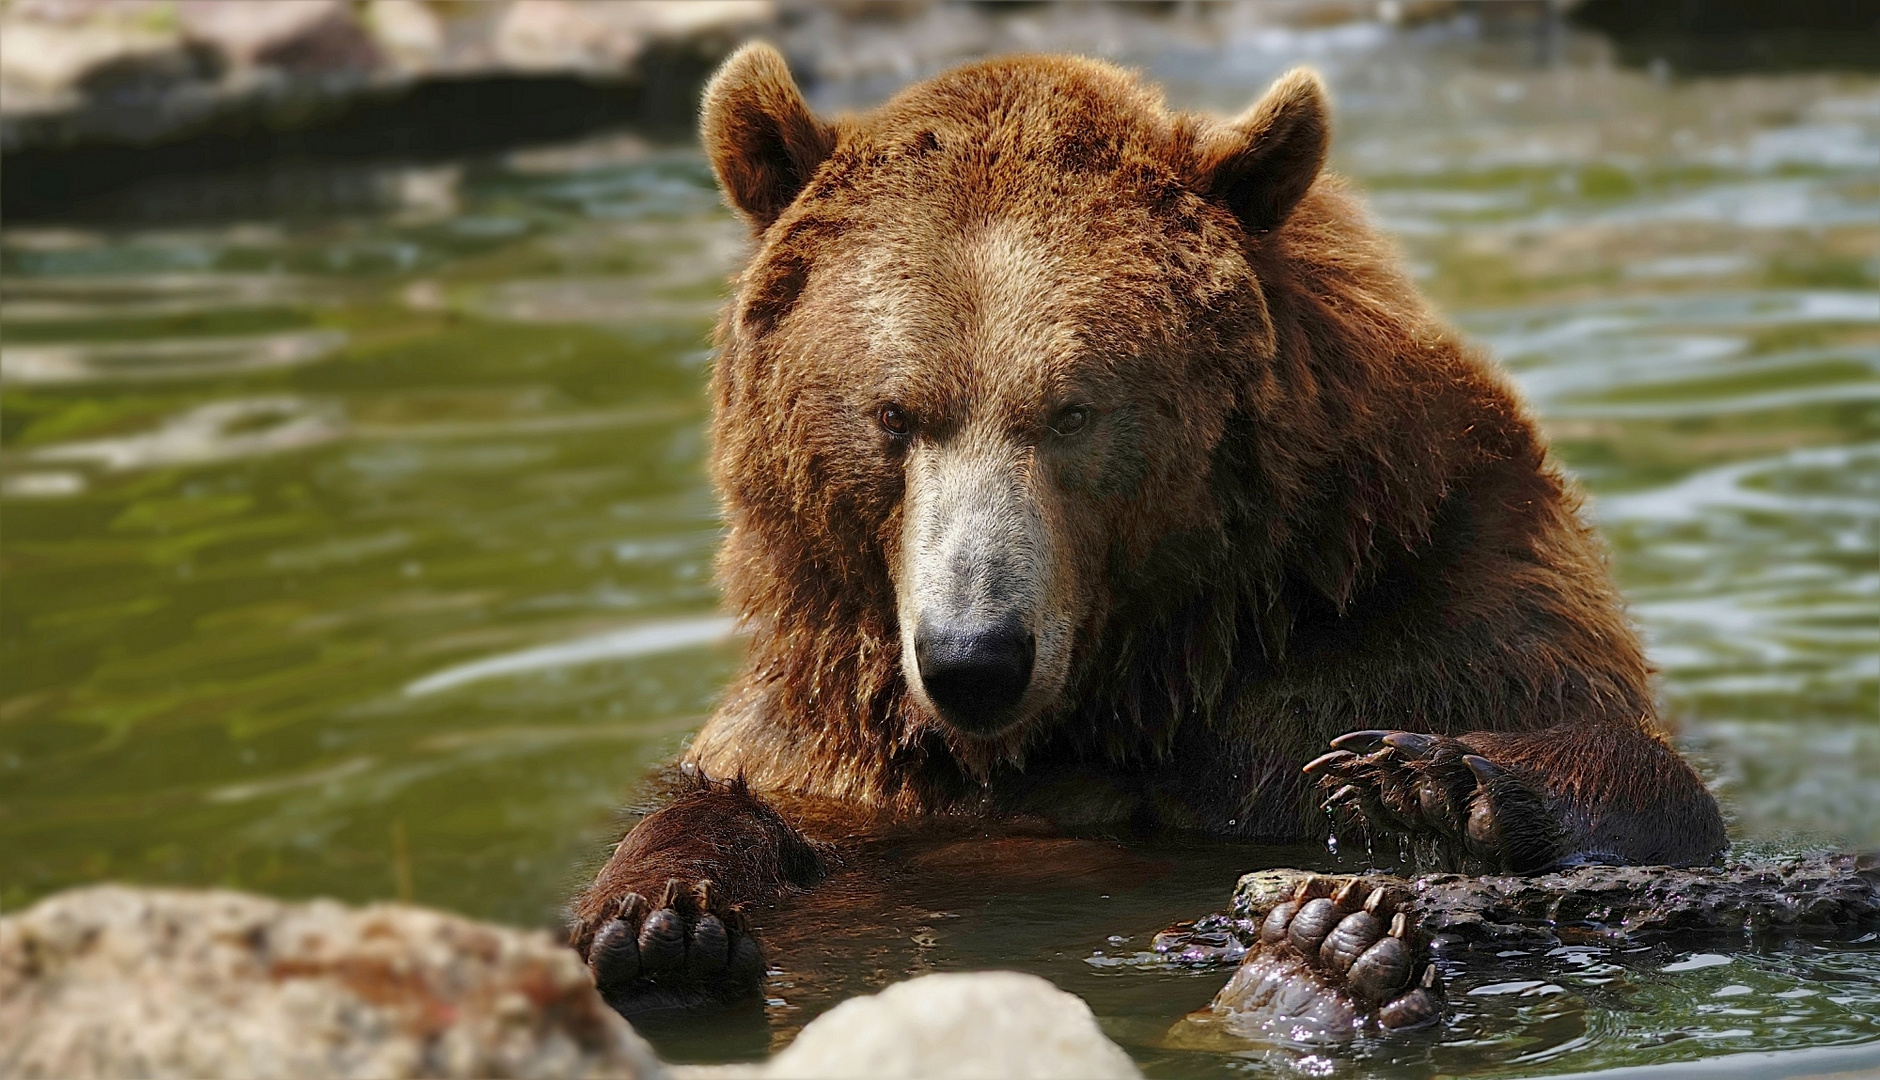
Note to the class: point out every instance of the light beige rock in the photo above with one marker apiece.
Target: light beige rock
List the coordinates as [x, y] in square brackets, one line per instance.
[116, 981]
[985, 1024]
[408, 30]
[605, 37]
[561, 35]
[45, 58]
[301, 37]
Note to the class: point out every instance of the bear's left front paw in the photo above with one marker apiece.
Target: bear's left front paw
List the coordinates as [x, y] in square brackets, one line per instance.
[1439, 794]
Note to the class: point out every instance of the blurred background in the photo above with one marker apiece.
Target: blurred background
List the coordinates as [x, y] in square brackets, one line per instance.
[354, 534]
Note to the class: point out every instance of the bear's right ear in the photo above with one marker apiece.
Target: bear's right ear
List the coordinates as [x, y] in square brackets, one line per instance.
[1262, 162]
[763, 142]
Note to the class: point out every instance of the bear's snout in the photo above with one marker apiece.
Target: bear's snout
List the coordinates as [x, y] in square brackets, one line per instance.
[975, 672]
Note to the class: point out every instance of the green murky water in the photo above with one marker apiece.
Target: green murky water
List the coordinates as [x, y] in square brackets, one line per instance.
[357, 542]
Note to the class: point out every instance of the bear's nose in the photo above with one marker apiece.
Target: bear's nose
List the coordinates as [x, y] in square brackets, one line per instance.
[975, 672]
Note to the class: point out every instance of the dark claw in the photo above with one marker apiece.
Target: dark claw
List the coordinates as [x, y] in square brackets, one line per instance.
[1410, 744]
[1486, 772]
[1362, 742]
[630, 907]
[1324, 760]
[671, 896]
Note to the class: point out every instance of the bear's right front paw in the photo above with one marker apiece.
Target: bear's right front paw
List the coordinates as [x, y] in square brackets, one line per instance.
[689, 951]
[1335, 960]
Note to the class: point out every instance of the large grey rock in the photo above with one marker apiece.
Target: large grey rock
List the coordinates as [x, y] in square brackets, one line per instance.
[116, 981]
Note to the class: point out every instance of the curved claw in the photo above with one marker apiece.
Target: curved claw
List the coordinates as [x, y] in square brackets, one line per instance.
[1486, 772]
[1410, 744]
[1325, 760]
[1362, 742]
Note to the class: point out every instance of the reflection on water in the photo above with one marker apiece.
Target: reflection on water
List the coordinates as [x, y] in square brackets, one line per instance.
[391, 516]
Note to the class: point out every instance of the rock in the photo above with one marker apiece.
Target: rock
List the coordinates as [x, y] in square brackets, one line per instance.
[87, 73]
[605, 37]
[409, 31]
[297, 37]
[118, 981]
[56, 56]
[984, 1024]
[115, 980]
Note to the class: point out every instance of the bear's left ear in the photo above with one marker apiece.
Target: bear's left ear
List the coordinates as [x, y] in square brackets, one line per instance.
[763, 141]
[1261, 163]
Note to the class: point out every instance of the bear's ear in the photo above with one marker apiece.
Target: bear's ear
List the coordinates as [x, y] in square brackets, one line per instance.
[1262, 162]
[762, 140]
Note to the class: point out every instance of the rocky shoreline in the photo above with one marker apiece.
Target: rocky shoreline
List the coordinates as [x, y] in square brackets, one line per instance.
[116, 980]
[96, 95]
[147, 72]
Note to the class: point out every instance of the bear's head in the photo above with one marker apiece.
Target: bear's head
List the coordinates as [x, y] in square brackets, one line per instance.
[989, 390]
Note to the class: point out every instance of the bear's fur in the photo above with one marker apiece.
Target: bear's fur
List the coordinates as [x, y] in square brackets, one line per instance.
[1148, 387]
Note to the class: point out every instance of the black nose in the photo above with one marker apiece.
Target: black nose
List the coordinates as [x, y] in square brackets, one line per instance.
[974, 671]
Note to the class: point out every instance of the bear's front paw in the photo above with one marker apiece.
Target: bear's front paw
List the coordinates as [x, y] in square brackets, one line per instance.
[1333, 961]
[687, 951]
[1447, 801]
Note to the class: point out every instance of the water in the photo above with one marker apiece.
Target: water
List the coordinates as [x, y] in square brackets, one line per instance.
[361, 546]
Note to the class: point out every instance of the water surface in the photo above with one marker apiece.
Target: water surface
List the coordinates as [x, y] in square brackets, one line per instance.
[361, 546]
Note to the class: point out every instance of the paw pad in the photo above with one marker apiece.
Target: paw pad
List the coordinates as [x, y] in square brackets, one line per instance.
[689, 948]
[1352, 952]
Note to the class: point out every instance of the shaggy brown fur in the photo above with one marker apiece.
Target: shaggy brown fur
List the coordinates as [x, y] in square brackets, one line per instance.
[1301, 505]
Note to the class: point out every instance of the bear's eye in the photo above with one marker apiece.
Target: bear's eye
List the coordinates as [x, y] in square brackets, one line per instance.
[1072, 420]
[895, 421]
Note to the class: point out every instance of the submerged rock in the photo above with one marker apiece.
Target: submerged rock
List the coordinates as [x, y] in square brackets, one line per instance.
[118, 981]
[989, 1023]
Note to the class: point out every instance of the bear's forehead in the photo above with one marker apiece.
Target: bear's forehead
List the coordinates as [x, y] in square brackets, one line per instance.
[1005, 319]
[1010, 230]
[1012, 129]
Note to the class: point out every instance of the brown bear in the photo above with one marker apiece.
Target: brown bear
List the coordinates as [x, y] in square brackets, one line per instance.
[1089, 461]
